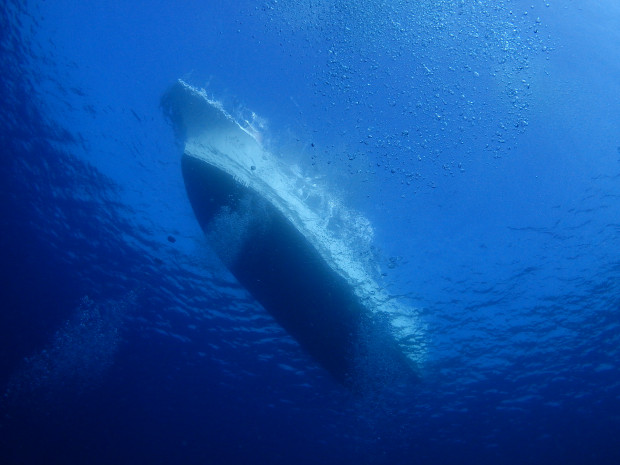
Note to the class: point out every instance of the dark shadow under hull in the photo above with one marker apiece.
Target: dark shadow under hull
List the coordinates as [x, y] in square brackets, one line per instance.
[277, 265]
[286, 274]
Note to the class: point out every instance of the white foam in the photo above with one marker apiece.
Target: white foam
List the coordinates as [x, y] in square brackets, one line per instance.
[339, 235]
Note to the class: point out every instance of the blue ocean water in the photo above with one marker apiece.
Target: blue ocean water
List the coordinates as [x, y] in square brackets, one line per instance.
[480, 139]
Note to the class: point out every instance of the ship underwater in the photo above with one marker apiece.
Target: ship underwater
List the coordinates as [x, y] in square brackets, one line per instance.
[291, 246]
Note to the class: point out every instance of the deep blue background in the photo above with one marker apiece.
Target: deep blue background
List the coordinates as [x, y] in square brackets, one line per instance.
[482, 139]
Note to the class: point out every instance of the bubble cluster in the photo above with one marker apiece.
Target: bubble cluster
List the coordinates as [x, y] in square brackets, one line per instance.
[419, 83]
[78, 355]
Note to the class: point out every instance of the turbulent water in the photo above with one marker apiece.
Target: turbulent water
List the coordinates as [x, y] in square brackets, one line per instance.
[477, 141]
